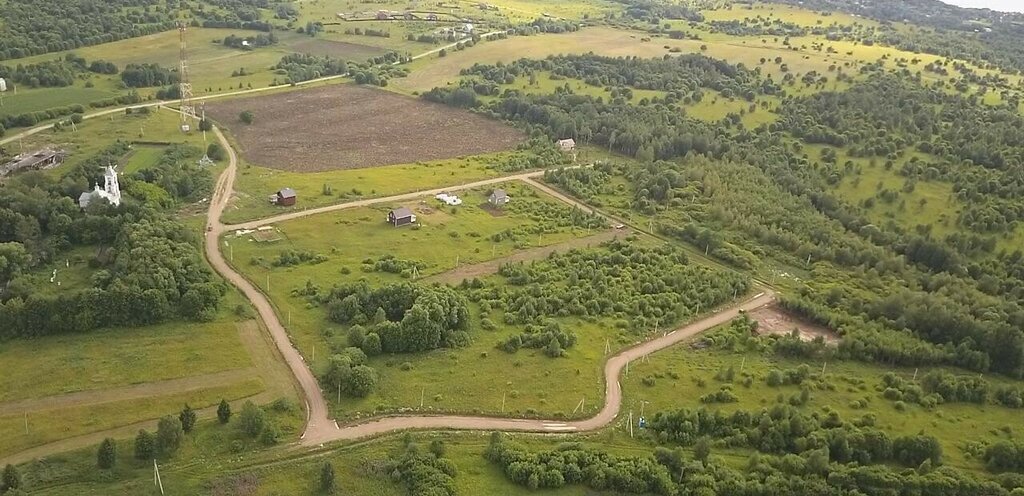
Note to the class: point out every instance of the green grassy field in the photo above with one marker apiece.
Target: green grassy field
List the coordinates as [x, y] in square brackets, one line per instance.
[254, 184]
[210, 65]
[118, 357]
[679, 371]
[31, 100]
[142, 157]
[47, 426]
[94, 135]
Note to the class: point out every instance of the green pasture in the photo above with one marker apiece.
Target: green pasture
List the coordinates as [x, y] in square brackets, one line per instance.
[119, 357]
[210, 451]
[96, 134]
[34, 99]
[142, 157]
[784, 13]
[210, 65]
[434, 71]
[47, 426]
[546, 85]
[678, 373]
[254, 184]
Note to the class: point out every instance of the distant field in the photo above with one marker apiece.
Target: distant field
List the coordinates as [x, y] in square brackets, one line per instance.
[430, 72]
[338, 49]
[347, 127]
[32, 100]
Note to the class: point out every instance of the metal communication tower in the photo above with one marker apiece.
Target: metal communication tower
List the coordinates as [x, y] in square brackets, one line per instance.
[188, 111]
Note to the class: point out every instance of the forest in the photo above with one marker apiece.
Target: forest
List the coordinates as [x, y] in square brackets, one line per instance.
[146, 268]
[940, 28]
[645, 287]
[899, 296]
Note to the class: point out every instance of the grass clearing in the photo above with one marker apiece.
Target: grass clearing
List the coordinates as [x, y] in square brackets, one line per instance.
[253, 184]
[96, 134]
[118, 357]
[678, 373]
[52, 425]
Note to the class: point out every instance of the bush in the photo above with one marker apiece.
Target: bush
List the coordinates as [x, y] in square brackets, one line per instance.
[252, 419]
[145, 445]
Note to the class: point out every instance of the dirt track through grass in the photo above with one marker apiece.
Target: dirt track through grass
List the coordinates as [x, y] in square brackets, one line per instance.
[489, 267]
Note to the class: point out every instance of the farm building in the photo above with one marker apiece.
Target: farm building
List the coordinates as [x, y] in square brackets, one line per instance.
[401, 216]
[450, 200]
[498, 198]
[567, 145]
[41, 159]
[285, 198]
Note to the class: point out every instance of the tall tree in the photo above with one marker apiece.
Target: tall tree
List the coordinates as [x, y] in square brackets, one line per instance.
[224, 411]
[145, 445]
[187, 417]
[169, 435]
[328, 483]
[106, 456]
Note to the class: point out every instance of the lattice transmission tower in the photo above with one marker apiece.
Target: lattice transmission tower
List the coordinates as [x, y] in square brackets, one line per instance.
[188, 110]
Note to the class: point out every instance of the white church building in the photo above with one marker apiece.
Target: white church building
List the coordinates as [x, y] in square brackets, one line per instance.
[111, 190]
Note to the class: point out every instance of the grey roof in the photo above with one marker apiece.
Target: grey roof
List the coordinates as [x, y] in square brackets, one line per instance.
[499, 193]
[85, 199]
[286, 193]
[401, 212]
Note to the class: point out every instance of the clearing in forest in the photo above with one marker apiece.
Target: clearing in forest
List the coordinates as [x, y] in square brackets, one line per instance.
[347, 127]
[491, 267]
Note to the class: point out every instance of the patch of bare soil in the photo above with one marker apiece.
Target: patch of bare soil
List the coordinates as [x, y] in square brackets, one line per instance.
[344, 126]
[774, 320]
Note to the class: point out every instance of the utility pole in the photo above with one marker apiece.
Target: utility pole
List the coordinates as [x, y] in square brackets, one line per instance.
[156, 477]
[423, 392]
[502, 402]
[631, 424]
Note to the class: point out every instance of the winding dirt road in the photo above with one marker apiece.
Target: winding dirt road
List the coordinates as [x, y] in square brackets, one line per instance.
[320, 428]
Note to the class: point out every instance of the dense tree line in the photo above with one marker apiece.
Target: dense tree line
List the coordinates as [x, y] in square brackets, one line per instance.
[147, 75]
[643, 287]
[404, 317]
[784, 429]
[673, 472]
[424, 472]
[148, 267]
[301, 67]
[33, 28]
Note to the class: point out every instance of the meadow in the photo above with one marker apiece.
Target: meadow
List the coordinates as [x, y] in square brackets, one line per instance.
[679, 376]
[316, 189]
[211, 65]
[94, 135]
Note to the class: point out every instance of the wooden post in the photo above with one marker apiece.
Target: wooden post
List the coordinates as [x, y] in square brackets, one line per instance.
[502, 402]
[423, 392]
[631, 423]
